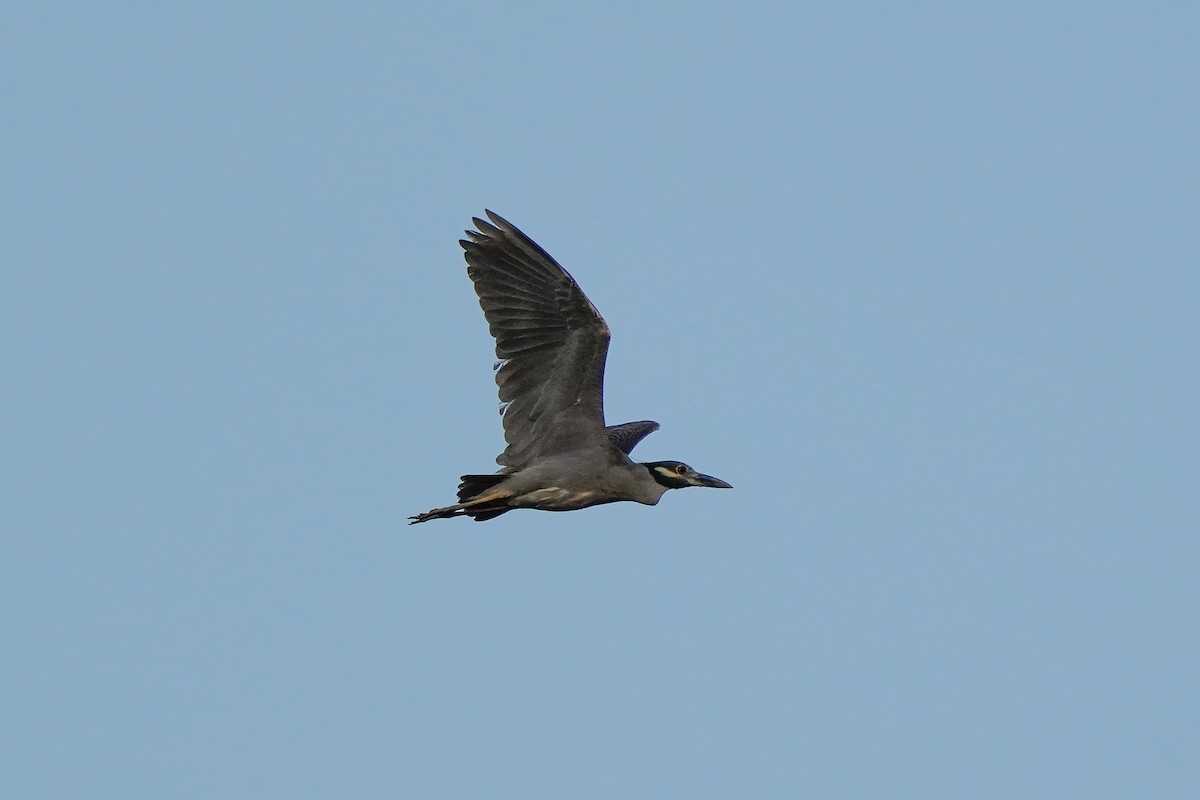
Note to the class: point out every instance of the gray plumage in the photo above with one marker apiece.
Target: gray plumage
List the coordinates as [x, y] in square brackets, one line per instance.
[626, 436]
[552, 344]
[550, 339]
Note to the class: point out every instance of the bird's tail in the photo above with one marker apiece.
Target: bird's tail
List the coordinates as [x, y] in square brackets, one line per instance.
[474, 485]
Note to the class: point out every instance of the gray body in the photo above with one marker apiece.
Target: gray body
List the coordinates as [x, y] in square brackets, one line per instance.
[551, 343]
[582, 478]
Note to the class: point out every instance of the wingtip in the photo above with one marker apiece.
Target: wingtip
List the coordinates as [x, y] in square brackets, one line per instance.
[484, 229]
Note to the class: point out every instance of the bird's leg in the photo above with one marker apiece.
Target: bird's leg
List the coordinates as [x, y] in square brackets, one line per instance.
[438, 513]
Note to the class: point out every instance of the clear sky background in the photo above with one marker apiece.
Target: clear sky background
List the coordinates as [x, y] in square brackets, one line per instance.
[920, 279]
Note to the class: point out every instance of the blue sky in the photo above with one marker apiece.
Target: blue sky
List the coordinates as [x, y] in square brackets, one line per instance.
[919, 279]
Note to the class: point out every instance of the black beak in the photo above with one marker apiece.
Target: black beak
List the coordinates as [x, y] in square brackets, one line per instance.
[711, 482]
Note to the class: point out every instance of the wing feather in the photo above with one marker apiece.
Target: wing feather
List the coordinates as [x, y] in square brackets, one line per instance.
[550, 339]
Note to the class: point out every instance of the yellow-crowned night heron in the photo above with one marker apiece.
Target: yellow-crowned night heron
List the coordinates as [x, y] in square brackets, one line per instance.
[551, 342]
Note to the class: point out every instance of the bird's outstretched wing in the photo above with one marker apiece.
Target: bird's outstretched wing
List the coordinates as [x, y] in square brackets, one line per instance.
[550, 339]
[626, 436]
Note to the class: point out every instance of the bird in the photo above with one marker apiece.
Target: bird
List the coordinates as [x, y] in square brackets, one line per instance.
[552, 344]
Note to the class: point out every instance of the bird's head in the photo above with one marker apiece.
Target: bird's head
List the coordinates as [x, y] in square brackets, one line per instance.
[677, 475]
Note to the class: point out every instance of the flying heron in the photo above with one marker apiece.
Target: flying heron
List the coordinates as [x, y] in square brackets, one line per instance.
[551, 343]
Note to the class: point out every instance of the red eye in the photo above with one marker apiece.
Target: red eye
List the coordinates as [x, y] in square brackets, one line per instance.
[682, 469]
